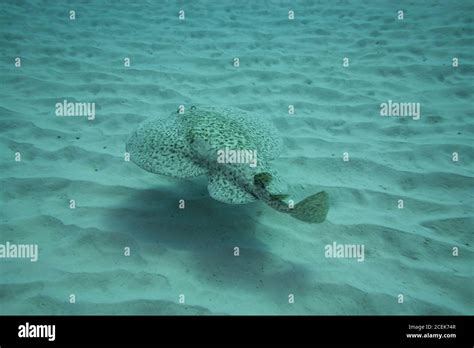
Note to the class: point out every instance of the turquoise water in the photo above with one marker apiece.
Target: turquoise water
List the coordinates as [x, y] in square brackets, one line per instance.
[401, 187]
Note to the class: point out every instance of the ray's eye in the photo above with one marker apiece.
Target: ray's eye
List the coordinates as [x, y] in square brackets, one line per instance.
[193, 108]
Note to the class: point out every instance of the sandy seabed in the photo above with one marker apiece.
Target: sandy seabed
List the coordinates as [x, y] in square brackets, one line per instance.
[283, 62]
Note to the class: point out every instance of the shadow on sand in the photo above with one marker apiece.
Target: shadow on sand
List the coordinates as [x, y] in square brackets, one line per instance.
[209, 230]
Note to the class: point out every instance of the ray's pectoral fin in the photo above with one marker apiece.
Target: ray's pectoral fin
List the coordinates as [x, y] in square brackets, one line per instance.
[313, 209]
[224, 190]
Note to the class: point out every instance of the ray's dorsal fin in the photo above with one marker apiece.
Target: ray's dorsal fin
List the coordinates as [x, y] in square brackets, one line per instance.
[279, 197]
[262, 179]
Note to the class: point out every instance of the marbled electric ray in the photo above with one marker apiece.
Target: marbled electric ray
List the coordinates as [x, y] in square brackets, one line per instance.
[230, 147]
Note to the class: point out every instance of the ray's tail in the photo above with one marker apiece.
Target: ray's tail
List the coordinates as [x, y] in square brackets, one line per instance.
[312, 209]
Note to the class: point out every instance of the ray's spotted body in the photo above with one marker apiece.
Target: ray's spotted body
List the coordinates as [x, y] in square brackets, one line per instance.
[186, 145]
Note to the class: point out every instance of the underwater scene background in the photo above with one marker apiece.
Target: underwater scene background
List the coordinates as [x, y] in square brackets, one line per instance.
[112, 238]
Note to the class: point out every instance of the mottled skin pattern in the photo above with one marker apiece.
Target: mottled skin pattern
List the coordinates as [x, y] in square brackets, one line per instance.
[159, 146]
[210, 130]
[187, 144]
